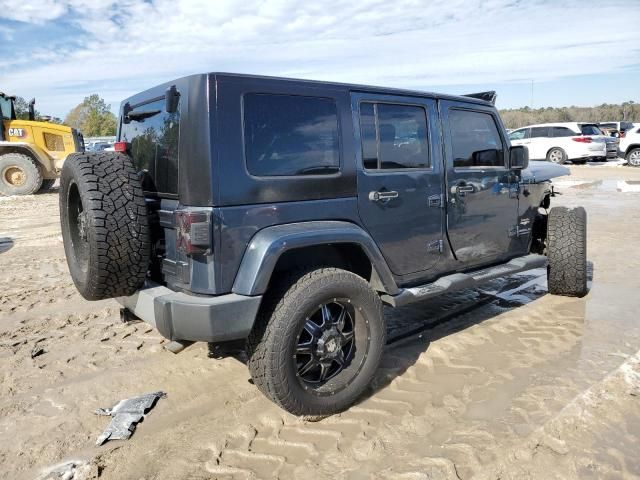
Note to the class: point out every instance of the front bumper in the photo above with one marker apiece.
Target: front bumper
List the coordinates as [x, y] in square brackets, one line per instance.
[178, 316]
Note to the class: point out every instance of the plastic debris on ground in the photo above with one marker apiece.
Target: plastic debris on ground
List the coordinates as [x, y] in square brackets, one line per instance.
[125, 415]
[72, 470]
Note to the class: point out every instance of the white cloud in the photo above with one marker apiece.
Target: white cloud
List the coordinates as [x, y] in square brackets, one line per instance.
[38, 12]
[131, 45]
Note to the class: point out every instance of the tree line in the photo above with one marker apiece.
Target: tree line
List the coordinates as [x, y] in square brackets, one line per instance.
[92, 117]
[521, 117]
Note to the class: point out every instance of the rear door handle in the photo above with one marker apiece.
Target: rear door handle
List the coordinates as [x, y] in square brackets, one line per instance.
[383, 196]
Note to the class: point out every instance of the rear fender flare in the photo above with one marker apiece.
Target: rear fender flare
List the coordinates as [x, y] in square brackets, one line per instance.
[266, 247]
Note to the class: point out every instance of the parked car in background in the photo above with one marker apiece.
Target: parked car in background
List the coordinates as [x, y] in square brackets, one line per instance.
[630, 146]
[615, 129]
[559, 142]
[99, 146]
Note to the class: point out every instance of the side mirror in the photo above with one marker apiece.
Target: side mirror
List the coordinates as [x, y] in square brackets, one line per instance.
[171, 99]
[518, 157]
[126, 110]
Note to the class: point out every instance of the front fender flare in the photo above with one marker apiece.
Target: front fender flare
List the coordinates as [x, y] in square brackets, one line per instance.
[269, 244]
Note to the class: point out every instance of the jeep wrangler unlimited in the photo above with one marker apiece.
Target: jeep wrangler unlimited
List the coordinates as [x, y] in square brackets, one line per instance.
[287, 212]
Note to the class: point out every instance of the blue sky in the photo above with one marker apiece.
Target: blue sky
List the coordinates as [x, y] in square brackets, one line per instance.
[575, 53]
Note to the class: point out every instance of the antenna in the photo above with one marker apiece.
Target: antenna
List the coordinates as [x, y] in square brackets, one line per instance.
[531, 94]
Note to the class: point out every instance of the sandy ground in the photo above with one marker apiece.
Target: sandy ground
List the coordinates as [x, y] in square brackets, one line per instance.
[502, 382]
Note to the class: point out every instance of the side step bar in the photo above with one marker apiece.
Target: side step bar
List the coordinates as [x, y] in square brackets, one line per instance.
[460, 281]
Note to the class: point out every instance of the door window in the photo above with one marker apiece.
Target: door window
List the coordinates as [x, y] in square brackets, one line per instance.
[394, 136]
[475, 139]
[539, 132]
[562, 132]
[519, 134]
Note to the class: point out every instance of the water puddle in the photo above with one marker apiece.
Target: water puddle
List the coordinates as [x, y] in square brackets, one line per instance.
[607, 185]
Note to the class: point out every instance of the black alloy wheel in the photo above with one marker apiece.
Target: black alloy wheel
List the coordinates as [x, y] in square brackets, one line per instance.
[328, 355]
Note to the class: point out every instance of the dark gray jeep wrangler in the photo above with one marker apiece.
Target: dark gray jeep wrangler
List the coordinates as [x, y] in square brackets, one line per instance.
[286, 212]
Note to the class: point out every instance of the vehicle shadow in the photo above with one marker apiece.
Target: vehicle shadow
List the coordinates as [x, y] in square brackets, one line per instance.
[412, 329]
[44, 191]
[6, 244]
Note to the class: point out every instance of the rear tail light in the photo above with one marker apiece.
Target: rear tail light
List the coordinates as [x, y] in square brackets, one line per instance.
[120, 147]
[193, 232]
[582, 139]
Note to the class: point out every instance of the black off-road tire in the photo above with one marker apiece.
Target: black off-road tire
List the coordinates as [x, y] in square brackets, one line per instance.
[272, 342]
[567, 251]
[104, 224]
[47, 184]
[19, 174]
[557, 155]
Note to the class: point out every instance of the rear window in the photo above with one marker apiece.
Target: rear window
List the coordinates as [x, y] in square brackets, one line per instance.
[590, 130]
[153, 135]
[287, 135]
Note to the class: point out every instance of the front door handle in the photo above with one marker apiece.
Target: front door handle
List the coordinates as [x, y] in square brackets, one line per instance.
[382, 196]
[465, 189]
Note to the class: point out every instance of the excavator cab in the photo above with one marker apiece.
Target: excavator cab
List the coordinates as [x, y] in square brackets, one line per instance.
[32, 152]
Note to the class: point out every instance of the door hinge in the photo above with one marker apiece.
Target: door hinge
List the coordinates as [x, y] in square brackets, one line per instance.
[436, 201]
[437, 246]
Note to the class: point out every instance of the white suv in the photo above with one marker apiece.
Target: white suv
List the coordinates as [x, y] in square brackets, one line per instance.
[630, 146]
[559, 142]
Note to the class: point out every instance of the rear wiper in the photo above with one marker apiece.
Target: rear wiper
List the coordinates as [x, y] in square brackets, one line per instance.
[137, 116]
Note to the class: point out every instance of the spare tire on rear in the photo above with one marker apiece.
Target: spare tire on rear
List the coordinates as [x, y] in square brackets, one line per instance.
[104, 224]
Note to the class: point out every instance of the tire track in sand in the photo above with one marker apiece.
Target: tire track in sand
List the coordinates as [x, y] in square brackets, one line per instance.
[424, 384]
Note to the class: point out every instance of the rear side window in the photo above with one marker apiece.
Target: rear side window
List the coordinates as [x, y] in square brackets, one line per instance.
[286, 135]
[153, 135]
[562, 132]
[590, 130]
[394, 136]
[538, 132]
[475, 139]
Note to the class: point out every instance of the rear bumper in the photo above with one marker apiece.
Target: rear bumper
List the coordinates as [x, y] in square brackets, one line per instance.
[178, 316]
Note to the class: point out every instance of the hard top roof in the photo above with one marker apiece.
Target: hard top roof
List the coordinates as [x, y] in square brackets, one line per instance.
[356, 87]
[318, 83]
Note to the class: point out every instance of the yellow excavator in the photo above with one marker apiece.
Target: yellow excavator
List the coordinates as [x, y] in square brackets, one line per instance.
[32, 152]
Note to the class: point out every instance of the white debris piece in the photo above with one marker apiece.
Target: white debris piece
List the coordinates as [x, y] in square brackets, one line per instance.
[71, 470]
[125, 415]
